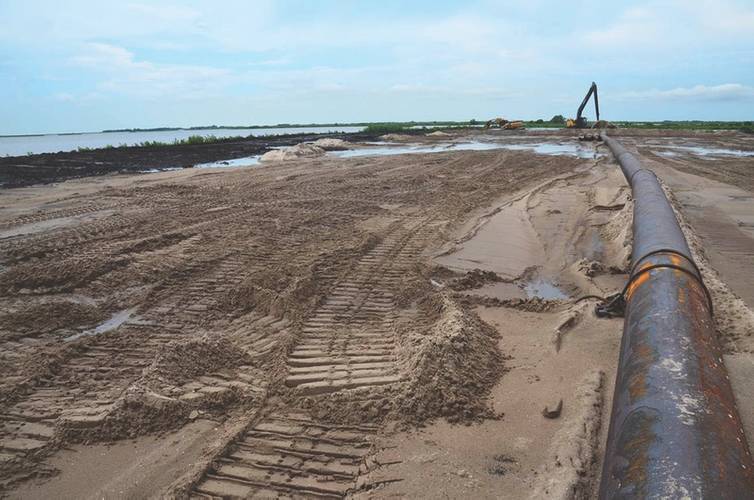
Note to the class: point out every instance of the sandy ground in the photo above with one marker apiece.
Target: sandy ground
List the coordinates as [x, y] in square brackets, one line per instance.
[405, 325]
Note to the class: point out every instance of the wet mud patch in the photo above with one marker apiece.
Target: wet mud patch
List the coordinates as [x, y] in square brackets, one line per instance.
[574, 149]
[481, 283]
[112, 323]
[704, 152]
[544, 289]
[472, 279]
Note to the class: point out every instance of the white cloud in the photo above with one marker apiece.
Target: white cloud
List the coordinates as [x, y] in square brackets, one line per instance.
[662, 25]
[723, 17]
[724, 92]
[123, 74]
[537, 56]
[636, 26]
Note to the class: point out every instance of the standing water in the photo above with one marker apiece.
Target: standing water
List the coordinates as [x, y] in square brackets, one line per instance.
[53, 143]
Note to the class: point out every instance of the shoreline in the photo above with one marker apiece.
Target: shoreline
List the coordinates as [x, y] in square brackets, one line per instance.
[45, 168]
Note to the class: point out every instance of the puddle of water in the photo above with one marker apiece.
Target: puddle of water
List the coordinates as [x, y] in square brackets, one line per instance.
[667, 154]
[38, 227]
[51, 224]
[157, 170]
[475, 146]
[704, 151]
[388, 150]
[506, 244]
[538, 287]
[111, 324]
[577, 150]
[246, 161]
[592, 247]
[544, 148]
[543, 289]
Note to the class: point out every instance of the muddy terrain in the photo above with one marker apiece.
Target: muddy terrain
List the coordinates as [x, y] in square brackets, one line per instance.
[390, 325]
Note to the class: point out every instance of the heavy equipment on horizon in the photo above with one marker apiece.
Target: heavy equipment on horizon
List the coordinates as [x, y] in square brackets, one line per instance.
[580, 121]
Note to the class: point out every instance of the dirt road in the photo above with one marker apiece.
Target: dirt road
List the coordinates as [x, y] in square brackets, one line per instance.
[370, 326]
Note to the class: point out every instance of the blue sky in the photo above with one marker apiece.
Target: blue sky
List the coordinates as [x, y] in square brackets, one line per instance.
[91, 65]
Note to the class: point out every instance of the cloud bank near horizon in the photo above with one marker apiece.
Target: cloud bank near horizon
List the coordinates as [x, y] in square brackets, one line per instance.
[92, 65]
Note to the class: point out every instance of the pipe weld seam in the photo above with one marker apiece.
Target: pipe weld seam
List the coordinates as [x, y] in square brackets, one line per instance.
[677, 268]
[687, 258]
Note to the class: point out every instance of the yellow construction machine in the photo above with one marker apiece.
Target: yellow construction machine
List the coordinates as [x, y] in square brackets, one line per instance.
[496, 123]
[504, 124]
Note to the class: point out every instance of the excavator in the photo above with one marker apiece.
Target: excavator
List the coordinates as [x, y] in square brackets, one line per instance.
[580, 121]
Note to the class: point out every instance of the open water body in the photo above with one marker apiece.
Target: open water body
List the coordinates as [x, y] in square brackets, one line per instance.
[53, 143]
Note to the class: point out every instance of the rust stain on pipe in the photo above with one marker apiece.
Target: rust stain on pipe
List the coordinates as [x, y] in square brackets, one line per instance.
[675, 430]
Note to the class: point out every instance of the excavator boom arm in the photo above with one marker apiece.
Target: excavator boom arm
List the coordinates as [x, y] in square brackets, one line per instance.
[580, 121]
[592, 90]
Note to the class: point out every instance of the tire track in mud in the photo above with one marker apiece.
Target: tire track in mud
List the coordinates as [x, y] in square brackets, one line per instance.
[290, 455]
[36, 217]
[86, 388]
[347, 343]
[333, 247]
[79, 396]
[83, 391]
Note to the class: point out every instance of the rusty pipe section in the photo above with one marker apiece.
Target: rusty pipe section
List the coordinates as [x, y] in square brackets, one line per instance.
[674, 431]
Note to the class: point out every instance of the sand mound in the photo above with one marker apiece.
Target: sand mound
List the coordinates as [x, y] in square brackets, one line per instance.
[452, 365]
[396, 137]
[449, 367]
[329, 144]
[302, 150]
[438, 133]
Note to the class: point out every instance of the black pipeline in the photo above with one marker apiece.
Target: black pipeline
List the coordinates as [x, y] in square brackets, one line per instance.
[675, 431]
